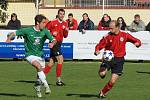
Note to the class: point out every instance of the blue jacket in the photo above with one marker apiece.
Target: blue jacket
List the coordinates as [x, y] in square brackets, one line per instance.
[89, 25]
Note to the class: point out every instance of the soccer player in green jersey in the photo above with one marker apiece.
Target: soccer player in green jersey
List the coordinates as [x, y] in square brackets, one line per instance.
[34, 38]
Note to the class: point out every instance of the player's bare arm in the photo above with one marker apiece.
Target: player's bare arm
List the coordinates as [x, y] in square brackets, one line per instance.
[137, 44]
[55, 33]
[52, 43]
[96, 53]
[10, 37]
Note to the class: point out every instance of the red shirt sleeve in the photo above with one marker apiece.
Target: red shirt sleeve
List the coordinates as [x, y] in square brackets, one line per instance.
[65, 32]
[102, 43]
[50, 27]
[132, 39]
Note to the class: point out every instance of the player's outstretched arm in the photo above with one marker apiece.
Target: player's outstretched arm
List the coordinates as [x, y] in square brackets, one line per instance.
[96, 53]
[65, 33]
[10, 37]
[133, 40]
[137, 44]
[52, 43]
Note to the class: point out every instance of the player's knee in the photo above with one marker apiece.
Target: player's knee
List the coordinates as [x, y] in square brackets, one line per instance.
[102, 74]
[113, 81]
[60, 60]
[50, 64]
[39, 69]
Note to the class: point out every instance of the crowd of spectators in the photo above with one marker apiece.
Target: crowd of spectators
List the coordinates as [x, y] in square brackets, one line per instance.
[87, 24]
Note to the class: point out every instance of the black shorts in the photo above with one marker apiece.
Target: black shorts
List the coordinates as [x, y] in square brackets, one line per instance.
[116, 65]
[56, 50]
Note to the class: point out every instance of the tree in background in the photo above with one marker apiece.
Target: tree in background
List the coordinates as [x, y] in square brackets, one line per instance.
[3, 9]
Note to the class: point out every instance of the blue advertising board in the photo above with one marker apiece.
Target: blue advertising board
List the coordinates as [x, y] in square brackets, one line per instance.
[17, 50]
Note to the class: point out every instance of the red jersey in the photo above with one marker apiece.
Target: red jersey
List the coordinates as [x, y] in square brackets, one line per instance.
[116, 43]
[72, 25]
[59, 27]
[100, 27]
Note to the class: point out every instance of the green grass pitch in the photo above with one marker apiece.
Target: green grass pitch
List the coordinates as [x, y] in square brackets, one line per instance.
[81, 78]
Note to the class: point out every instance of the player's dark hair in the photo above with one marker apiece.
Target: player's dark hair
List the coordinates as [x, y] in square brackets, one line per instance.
[62, 10]
[70, 14]
[39, 18]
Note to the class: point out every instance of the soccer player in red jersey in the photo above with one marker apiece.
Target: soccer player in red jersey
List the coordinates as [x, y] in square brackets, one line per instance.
[59, 29]
[115, 41]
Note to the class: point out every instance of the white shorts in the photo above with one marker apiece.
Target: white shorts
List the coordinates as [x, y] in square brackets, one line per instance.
[40, 60]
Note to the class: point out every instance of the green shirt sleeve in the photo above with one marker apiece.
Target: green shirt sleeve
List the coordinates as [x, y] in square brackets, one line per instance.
[48, 34]
[20, 32]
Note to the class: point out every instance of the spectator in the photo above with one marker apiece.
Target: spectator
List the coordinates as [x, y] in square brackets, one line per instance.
[104, 23]
[14, 23]
[72, 23]
[122, 24]
[85, 24]
[137, 24]
[148, 27]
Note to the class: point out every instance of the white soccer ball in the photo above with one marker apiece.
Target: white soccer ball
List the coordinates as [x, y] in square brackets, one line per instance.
[108, 55]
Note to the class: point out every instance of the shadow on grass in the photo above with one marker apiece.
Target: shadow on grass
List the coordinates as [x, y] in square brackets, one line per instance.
[140, 72]
[26, 81]
[16, 95]
[11, 94]
[82, 95]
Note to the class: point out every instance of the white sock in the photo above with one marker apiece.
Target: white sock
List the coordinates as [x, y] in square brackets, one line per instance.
[42, 77]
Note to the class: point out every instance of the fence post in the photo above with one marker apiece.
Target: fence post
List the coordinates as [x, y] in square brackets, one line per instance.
[103, 7]
[37, 7]
[54, 3]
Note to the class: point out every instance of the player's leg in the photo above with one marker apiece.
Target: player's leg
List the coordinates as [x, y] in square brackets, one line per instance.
[42, 62]
[50, 64]
[60, 60]
[103, 69]
[109, 85]
[53, 52]
[35, 61]
[38, 82]
[116, 69]
[56, 52]
[41, 76]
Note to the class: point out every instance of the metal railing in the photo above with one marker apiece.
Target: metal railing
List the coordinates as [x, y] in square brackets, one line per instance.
[97, 3]
[21, 1]
[121, 3]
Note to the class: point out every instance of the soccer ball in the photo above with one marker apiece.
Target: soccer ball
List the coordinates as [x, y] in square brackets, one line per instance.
[12, 38]
[108, 55]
